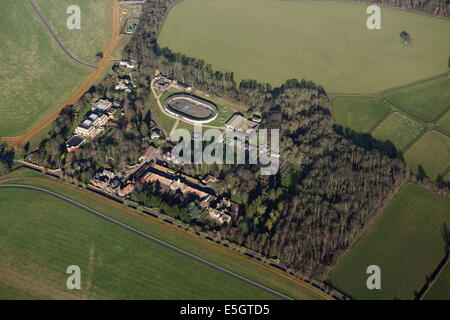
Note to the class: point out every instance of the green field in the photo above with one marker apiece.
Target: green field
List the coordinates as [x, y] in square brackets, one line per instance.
[42, 236]
[36, 76]
[425, 101]
[326, 42]
[201, 248]
[358, 113]
[96, 25]
[444, 122]
[441, 288]
[406, 243]
[399, 129]
[431, 151]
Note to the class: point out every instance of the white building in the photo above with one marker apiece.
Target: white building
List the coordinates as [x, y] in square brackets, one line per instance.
[102, 105]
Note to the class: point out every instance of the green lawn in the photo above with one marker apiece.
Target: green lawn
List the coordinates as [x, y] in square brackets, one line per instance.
[406, 243]
[41, 236]
[444, 122]
[36, 76]
[327, 42]
[164, 122]
[425, 101]
[441, 288]
[96, 25]
[201, 248]
[399, 129]
[223, 115]
[431, 151]
[358, 114]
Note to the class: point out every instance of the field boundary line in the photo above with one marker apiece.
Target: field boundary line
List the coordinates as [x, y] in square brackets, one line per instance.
[388, 90]
[415, 139]
[376, 124]
[441, 268]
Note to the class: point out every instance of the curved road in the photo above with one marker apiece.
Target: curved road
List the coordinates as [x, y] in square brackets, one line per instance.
[149, 238]
[55, 38]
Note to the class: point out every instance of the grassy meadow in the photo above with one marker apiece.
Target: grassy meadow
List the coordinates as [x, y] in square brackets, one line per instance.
[96, 25]
[324, 41]
[431, 151]
[399, 129]
[359, 114]
[425, 101]
[42, 236]
[36, 76]
[405, 242]
[444, 122]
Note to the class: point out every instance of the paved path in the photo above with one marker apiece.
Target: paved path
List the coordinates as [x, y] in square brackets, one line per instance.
[55, 37]
[148, 237]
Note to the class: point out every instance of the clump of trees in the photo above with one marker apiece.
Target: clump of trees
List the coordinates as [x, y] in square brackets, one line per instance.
[6, 159]
[405, 37]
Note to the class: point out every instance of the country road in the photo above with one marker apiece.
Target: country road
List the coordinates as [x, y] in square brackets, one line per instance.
[55, 37]
[147, 237]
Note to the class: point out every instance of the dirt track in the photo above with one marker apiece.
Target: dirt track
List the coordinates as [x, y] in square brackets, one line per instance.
[90, 80]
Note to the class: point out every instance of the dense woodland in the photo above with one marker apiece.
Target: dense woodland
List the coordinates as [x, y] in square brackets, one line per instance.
[334, 180]
[434, 7]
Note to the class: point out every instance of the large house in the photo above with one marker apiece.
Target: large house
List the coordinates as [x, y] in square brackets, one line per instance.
[92, 125]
